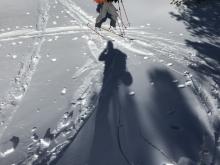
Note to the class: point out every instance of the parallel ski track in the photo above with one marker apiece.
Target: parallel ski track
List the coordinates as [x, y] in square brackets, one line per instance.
[19, 86]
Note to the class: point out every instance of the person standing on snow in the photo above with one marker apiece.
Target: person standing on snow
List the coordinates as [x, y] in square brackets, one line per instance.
[107, 9]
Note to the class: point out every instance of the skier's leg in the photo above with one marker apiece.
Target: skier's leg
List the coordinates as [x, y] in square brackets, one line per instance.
[102, 15]
[114, 15]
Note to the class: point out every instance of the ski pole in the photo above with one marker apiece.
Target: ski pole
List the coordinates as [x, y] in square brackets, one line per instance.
[125, 13]
[120, 16]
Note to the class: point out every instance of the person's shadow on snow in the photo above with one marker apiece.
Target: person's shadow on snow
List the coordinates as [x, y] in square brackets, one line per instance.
[104, 147]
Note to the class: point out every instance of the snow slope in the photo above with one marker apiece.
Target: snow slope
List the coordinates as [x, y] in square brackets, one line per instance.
[56, 109]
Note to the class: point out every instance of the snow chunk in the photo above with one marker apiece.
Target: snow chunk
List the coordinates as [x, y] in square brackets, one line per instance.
[85, 37]
[45, 143]
[64, 90]
[13, 43]
[28, 13]
[20, 42]
[132, 93]
[34, 137]
[53, 59]
[54, 22]
[2, 123]
[170, 64]
[50, 40]
[56, 37]
[47, 55]
[33, 129]
[14, 56]
[36, 43]
[181, 86]
[75, 38]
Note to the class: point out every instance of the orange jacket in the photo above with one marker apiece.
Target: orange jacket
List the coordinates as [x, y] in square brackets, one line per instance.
[100, 1]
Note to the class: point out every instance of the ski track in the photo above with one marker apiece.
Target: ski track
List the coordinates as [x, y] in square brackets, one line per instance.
[146, 44]
[21, 82]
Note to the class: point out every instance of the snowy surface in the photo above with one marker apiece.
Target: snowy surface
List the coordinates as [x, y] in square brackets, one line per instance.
[55, 107]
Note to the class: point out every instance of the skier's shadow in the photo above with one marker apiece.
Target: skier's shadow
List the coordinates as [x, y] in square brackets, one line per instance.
[104, 148]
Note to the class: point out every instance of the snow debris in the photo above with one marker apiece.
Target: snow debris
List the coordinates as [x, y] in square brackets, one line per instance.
[38, 110]
[8, 29]
[45, 143]
[50, 40]
[75, 38]
[181, 34]
[54, 22]
[145, 58]
[167, 164]
[188, 83]
[14, 56]
[196, 18]
[132, 93]
[35, 59]
[28, 13]
[170, 32]
[47, 55]
[33, 129]
[85, 37]
[19, 97]
[36, 43]
[181, 86]
[17, 27]
[13, 43]
[73, 21]
[65, 115]
[20, 42]
[56, 37]
[142, 26]
[34, 137]
[2, 123]
[148, 24]
[64, 90]
[170, 64]
[53, 59]
[57, 17]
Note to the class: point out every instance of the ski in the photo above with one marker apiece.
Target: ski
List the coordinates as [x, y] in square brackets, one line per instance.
[115, 33]
[103, 37]
[110, 31]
